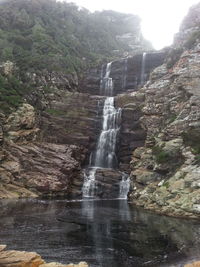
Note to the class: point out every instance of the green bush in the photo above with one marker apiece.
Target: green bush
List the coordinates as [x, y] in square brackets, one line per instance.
[192, 138]
[160, 155]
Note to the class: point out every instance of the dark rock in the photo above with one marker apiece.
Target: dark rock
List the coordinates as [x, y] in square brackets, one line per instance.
[126, 74]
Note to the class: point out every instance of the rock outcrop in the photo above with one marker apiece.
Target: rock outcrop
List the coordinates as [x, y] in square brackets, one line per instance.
[165, 173]
[30, 167]
[13, 258]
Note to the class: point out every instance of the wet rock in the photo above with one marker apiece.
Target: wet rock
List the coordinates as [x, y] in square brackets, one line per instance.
[107, 183]
[126, 74]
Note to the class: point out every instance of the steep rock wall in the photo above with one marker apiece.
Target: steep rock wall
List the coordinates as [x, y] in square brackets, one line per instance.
[165, 172]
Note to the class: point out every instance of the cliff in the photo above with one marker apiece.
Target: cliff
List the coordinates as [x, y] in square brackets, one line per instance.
[165, 172]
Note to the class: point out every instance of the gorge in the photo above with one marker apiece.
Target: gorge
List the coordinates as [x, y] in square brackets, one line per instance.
[96, 133]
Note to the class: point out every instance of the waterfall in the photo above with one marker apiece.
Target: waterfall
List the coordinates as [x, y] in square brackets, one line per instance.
[143, 78]
[124, 186]
[89, 185]
[104, 156]
[106, 83]
[105, 153]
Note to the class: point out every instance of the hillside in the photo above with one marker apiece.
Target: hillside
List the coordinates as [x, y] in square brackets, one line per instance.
[45, 36]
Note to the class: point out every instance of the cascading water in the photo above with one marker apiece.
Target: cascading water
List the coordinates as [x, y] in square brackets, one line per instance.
[124, 186]
[106, 83]
[105, 153]
[143, 76]
[104, 156]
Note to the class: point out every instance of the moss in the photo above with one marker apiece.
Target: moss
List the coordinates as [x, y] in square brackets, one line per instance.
[124, 100]
[55, 112]
[172, 118]
[192, 138]
[160, 155]
[197, 159]
[166, 184]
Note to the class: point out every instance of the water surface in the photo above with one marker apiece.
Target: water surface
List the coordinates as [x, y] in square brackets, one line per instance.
[104, 233]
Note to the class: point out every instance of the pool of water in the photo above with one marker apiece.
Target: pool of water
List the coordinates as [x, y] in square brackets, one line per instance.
[105, 233]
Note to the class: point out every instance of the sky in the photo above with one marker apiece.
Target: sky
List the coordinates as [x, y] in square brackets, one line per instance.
[160, 18]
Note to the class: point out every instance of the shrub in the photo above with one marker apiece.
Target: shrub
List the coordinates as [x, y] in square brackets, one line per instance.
[161, 156]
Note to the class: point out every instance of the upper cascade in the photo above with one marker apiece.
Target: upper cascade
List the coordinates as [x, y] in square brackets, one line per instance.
[120, 76]
[106, 83]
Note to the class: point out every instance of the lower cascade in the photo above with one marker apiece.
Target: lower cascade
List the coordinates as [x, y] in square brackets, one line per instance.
[104, 156]
[124, 187]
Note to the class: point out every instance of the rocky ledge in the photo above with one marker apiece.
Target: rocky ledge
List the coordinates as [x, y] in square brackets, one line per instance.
[13, 258]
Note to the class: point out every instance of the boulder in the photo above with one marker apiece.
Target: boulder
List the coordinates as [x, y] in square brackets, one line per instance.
[13, 258]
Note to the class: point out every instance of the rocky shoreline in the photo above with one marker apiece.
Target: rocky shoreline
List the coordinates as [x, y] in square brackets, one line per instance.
[13, 258]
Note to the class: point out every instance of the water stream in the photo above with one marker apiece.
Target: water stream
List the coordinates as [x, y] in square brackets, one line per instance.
[105, 153]
[143, 75]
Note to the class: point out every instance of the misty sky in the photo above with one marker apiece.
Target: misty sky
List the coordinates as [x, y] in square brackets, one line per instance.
[160, 18]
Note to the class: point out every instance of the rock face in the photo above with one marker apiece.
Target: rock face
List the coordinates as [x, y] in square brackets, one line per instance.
[132, 135]
[126, 74]
[166, 172]
[13, 258]
[30, 168]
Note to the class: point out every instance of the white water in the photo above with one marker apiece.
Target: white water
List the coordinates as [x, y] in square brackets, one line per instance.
[106, 84]
[89, 185]
[105, 155]
[143, 78]
[124, 186]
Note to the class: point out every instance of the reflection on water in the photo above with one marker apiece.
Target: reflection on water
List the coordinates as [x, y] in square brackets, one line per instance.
[103, 233]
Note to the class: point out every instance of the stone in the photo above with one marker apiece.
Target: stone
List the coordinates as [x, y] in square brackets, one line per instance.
[194, 264]
[12, 258]
[2, 247]
[7, 68]
[54, 264]
[24, 118]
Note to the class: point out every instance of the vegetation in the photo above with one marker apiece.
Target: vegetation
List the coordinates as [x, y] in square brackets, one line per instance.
[11, 93]
[161, 156]
[59, 36]
[193, 38]
[192, 138]
[173, 56]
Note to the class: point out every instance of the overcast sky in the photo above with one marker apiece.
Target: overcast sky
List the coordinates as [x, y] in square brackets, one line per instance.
[160, 18]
